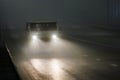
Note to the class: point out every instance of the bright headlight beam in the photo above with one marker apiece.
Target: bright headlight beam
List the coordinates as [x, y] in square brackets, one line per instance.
[54, 36]
[34, 37]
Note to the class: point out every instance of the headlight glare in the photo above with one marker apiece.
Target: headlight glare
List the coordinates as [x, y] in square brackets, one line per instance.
[34, 37]
[54, 36]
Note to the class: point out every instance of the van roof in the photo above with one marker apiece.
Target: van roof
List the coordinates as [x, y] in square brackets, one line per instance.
[41, 22]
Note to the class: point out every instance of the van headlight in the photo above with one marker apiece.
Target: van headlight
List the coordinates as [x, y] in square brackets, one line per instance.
[34, 37]
[54, 36]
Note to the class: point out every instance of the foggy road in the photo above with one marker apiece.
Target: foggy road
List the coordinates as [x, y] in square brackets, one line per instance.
[87, 46]
[63, 59]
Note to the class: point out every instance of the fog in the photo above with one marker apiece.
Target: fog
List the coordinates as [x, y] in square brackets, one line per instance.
[14, 13]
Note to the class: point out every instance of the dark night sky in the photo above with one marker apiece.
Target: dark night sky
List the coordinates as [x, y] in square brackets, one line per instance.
[14, 13]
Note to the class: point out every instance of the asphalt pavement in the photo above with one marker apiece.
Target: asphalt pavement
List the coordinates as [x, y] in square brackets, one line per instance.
[64, 59]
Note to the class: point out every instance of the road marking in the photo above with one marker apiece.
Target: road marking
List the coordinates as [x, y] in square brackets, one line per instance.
[85, 55]
[114, 65]
[98, 59]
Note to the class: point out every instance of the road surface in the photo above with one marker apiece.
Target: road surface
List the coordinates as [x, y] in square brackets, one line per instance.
[64, 59]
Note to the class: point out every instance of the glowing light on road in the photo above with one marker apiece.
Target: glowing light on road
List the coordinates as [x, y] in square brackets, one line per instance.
[37, 64]
[40, 59]
[34, 37]
[56, 70]
[55, 65]
[51, 67]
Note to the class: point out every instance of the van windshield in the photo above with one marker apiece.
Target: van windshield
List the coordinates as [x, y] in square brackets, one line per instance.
[42, 26]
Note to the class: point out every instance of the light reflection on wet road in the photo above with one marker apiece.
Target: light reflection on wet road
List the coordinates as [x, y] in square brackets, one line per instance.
[61, 60]
[46, 61]
[51, 69]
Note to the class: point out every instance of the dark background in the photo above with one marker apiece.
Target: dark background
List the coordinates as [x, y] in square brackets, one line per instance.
[68, 13]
